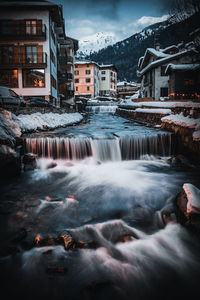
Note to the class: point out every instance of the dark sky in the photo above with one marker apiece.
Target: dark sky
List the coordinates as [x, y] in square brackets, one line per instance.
[121, 18]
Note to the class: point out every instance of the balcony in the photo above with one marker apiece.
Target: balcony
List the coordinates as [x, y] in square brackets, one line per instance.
[70, 59]
[20, 60]
[15, 32]
[62, 77]
[62, 60]
[69, 76]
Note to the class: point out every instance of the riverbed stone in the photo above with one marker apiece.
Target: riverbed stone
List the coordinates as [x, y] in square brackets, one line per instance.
[29, 161]
[188, 205]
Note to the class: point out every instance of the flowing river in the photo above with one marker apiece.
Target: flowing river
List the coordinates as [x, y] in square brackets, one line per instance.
[89, 220]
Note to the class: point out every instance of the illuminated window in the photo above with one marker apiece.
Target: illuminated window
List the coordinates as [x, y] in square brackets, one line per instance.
[33, 78]
[9, 78]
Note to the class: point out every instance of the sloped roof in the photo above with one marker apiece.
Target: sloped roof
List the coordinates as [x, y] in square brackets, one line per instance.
[182, 67]
[164, 60]
[151, 52]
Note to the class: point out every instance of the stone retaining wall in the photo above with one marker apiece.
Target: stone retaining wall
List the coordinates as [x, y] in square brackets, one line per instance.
[185, 135]
[152, 118]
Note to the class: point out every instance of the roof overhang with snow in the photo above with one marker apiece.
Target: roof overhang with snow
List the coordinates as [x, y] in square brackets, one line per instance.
[165, 60]
[181, 68]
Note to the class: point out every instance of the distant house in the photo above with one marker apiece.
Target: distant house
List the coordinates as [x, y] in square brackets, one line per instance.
[154, 81]
[125, 88]
[184, 81]
[86, 74]
[107, 80]
[157, 65]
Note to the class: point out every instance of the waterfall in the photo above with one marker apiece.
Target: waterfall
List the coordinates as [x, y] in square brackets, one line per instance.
[133, 147]
[106, 149]
[123, 148]
[101, 109]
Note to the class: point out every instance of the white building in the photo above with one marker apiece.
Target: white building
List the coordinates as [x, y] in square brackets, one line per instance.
[152, 69]
[127, 89]
[28, 47]
[107, 80]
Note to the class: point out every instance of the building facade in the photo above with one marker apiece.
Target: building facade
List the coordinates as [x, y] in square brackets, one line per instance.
[157, 66]
[86, 74]
[127, 89]
[28, 47]
[107, 80]
[67, 51]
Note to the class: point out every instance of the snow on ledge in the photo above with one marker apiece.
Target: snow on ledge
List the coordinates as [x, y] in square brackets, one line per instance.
[154, 111]
[182, 121]
[193, 197]
[160, 104]
[51, 120]
[196, 135]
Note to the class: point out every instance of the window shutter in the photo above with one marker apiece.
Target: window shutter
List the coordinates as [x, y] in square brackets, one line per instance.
[22, 54]
[40, 54]
[16, 51]
[39, 27]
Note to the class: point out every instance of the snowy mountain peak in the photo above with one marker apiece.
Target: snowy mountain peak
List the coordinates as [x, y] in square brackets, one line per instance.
[96, 42]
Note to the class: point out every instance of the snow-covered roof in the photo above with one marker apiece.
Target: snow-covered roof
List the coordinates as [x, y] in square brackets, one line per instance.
[151, 51]
[164, 60]
[170, 48]
[85, 62]
[140, 61]
[182, 67]
[125, 83]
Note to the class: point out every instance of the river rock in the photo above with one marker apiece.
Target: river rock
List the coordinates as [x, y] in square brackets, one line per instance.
[29, 161]
[52, 165]
[10, 162]
[188, 205]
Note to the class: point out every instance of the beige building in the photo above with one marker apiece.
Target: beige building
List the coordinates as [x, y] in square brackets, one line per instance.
[86, 74]
[108, 80]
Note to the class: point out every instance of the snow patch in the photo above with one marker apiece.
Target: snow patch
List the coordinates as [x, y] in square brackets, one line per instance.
[180, 120]
[193, 196]
[154, 111]
[48, 120]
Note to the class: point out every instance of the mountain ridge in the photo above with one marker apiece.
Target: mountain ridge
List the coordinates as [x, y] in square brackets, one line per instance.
[125, 54]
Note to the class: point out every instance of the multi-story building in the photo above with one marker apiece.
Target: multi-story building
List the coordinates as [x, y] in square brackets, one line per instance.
[67, 51]
[108, 80]
[28, 47]
[168, 72]
[127, 89]
[86, 74]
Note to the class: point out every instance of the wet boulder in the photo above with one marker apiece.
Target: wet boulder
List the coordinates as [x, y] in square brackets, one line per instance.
[52, 165]
[188, 205]
[29, 161]
[10, 162]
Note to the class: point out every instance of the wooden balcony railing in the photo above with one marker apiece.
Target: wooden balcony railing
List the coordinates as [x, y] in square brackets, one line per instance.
[11, 31]
[35, 60]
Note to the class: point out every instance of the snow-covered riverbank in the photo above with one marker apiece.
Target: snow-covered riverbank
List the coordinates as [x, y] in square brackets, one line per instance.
[39, 121]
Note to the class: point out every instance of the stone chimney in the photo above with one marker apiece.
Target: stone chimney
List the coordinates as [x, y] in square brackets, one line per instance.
[157, 46]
